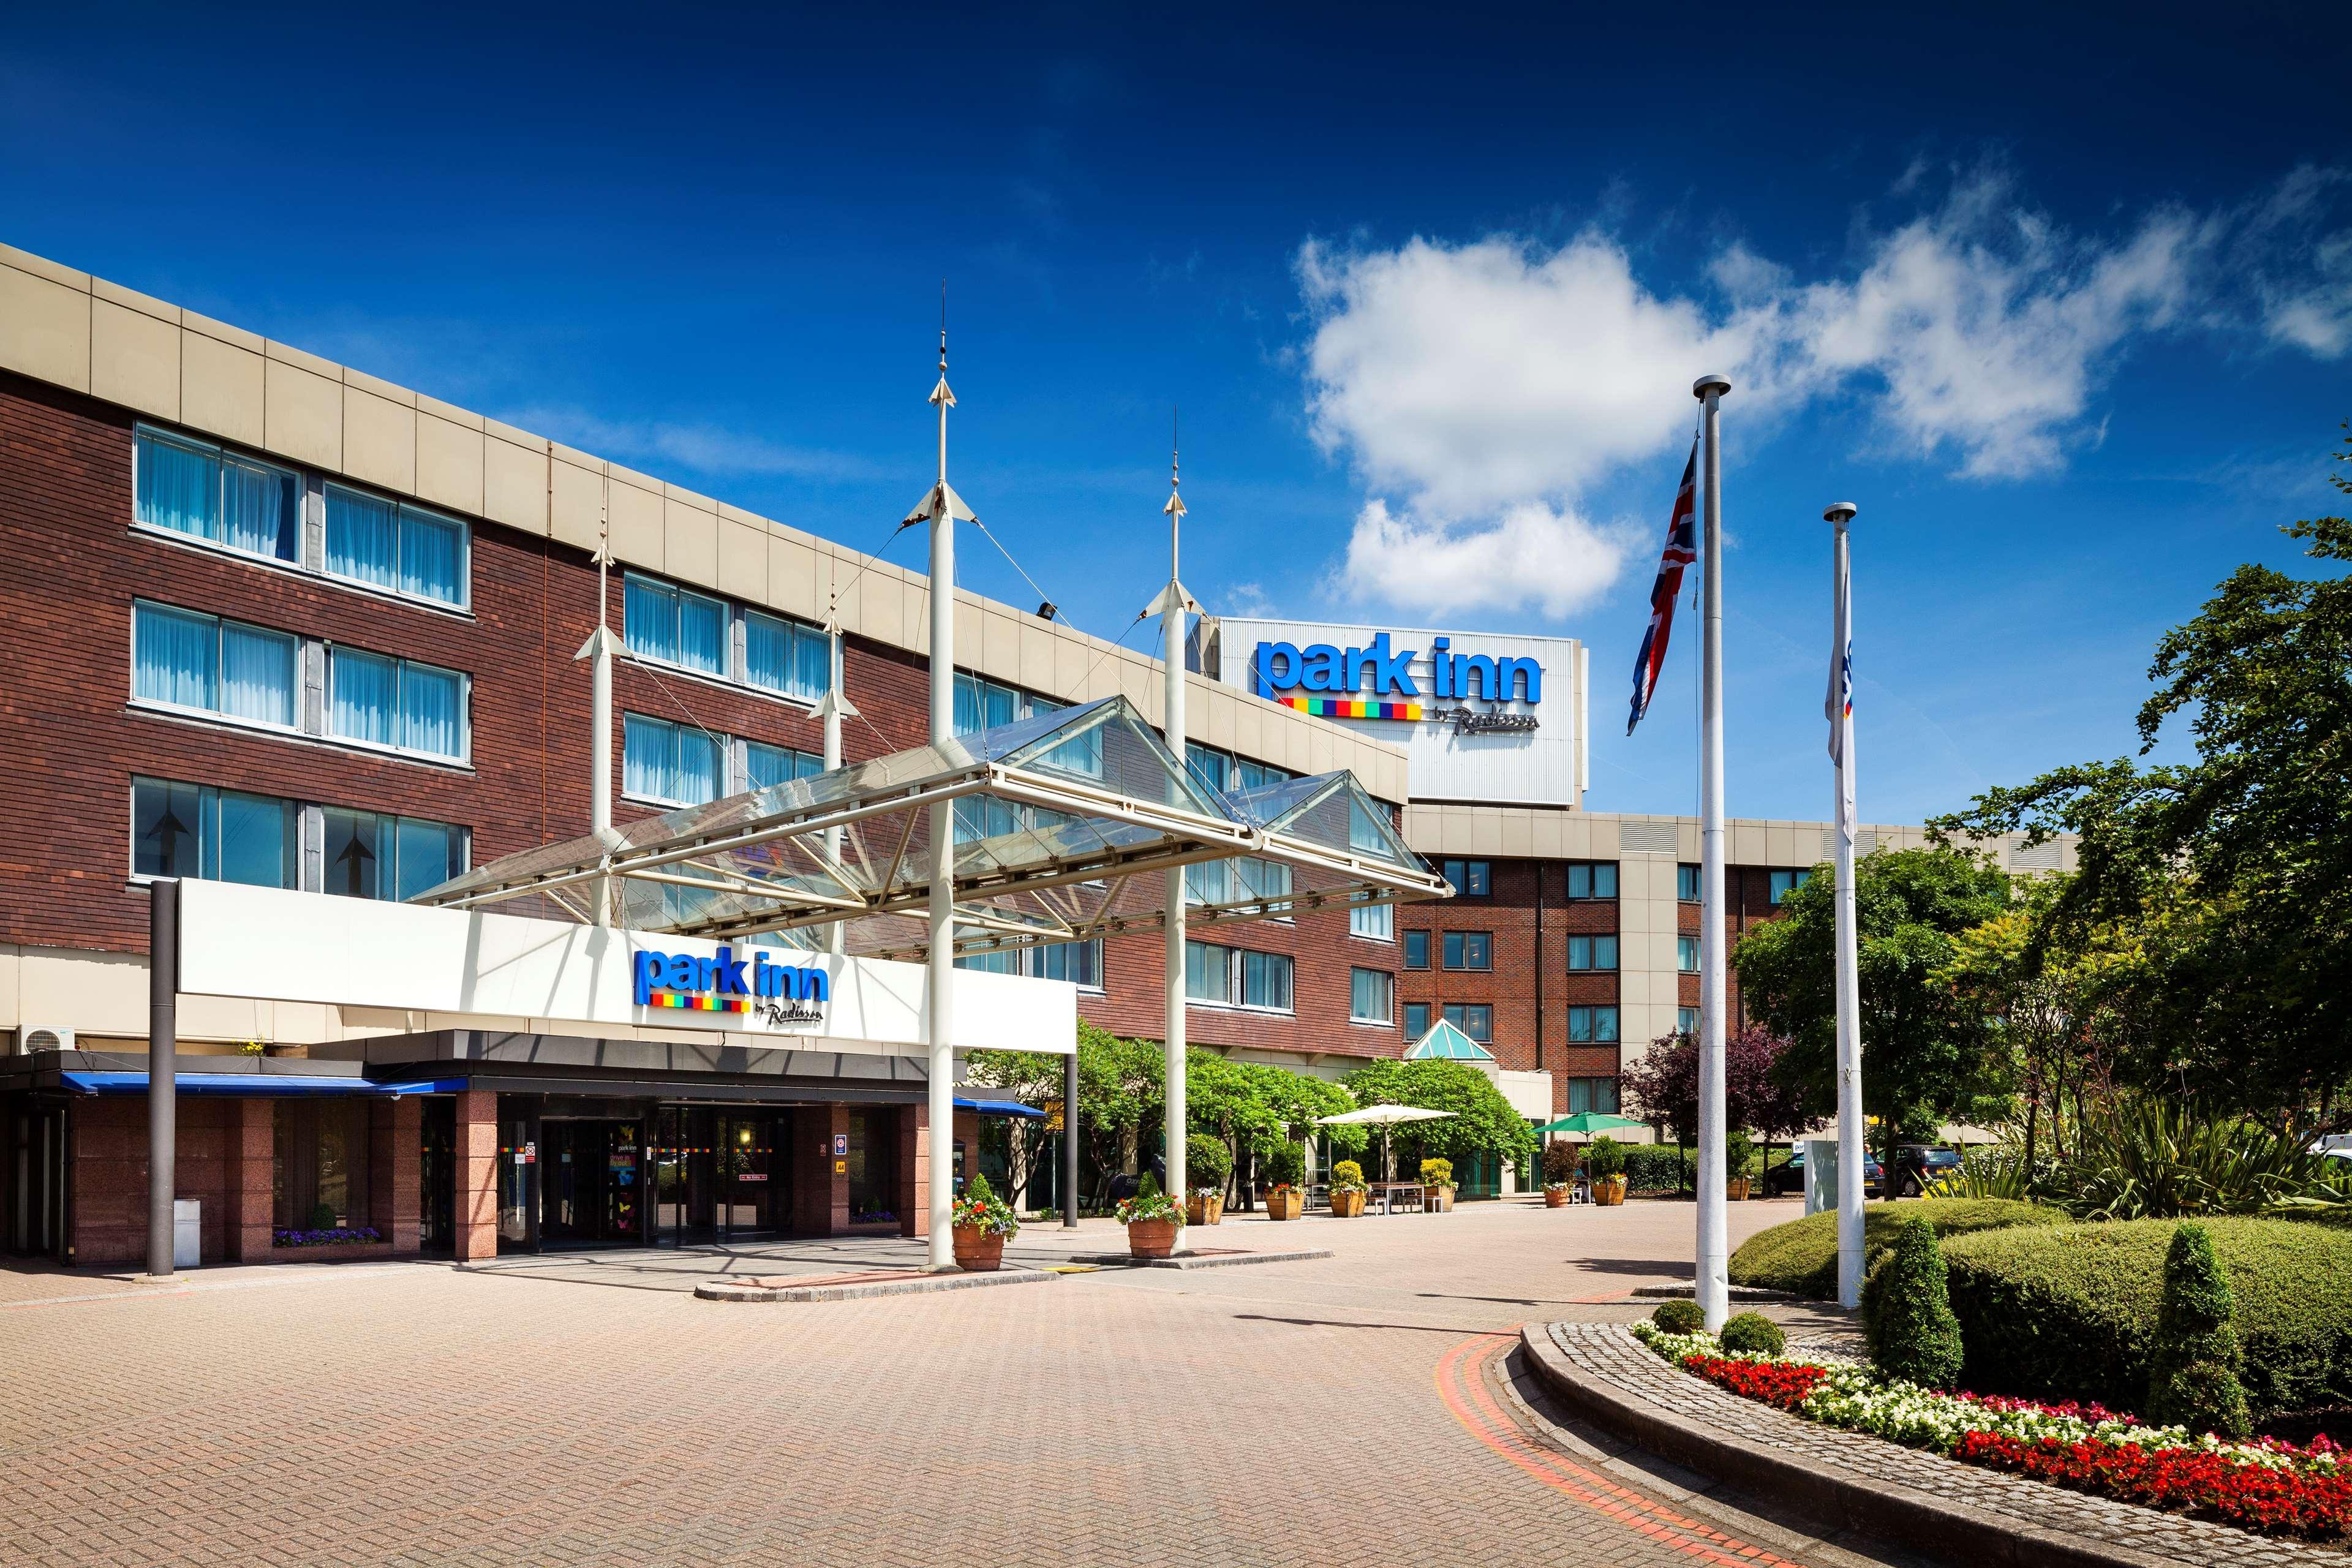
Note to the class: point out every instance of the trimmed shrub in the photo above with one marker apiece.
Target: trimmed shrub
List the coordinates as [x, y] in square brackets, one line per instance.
[2071, 1312]
[1284, 1165]
[1559, 1162]
[1347, 1175]
[1739, 1154]
[1606, 1157]
[1659, 1168]
[1753, 1333]
[1906, 1311]
[1438, 1173]
[1801, 1256]
[322, 1216]
[2193, 1376]
[1680, 1317]
[1207, 1163]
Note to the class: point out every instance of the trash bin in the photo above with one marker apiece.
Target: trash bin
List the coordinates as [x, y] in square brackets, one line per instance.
[187, 1232]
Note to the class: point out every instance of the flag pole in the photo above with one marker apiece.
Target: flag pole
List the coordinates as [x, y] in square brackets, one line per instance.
[1714, 1281]
[1849, 980]
[1173, 603]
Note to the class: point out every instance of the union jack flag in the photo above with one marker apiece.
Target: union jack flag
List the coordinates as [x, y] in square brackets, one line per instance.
[1682, 548]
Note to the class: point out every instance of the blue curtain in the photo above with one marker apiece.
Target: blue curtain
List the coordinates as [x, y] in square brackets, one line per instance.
[701, 634]
[366, 688]
[179, 487]
[256, 674]
[649, 619]
[177, 657]
[363, 538]
[432, 557]
[257, 840]
[697, 778]
[258, 508]
[645, 747]
[432, 711]
[812, 663]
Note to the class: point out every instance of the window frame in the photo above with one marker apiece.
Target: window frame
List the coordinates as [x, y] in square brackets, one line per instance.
[722, 743]
[1414, 937]
[1798, 877]
[1388, 981]
[465, 757]
[1592, 1019]
[1592, 948]
[1459, 942]
[1447, 1011]
[1404, 1019]
[1388, 914]
[1463, 889]
[207, 850]
[1687, 944]
[1592, 870]
[1235, 965]
[215, 714]
[1689, 876]
[463, 604]
[220, 453]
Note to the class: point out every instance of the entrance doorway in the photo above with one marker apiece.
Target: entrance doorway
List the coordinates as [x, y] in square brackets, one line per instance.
[719, 1174]
[589, 1182]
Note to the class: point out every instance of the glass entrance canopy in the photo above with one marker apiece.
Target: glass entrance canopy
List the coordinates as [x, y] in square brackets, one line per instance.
[1063, 823]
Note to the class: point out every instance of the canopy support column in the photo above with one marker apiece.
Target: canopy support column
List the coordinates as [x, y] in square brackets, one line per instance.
[163, 1084]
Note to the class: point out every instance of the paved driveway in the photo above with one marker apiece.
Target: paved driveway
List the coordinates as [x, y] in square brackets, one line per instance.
[1355, 1408]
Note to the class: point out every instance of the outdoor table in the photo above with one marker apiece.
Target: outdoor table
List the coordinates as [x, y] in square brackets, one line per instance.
[1390, 1191]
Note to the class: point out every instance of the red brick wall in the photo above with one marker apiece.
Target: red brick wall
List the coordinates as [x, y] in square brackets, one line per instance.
[71, 566]
[110, 1173]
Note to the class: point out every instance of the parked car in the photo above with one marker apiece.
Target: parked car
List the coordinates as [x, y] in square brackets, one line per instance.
[1916, 1164]
[1790, 1177]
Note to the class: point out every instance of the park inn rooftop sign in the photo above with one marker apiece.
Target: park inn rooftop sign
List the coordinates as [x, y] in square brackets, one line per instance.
[1281, 670]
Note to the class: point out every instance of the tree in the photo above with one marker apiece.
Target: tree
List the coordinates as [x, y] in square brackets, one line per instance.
[1482, 1123]
[1031, 1078]
[2238, 865]
[1121, 1091]
[1757, 1094]
[1925, 1058]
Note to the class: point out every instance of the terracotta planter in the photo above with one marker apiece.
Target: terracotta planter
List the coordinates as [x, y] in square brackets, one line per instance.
[1205, 1209]
[1284, 1204]
[1736, 1189]
[1441, 1199]
[1151, 1237]
[1609, 1190]
[1555, 1198]
[976, 1251]
[1347, 1205]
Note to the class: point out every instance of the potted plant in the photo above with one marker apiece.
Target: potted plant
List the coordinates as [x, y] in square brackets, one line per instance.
[1348, 1189]
[1606, 1161]
[1559, 1162]
[1153, 1219]
[981, 1222]
[1286, 1167]
[1206, 1166]
[1437, 1180]
[1738, 1148]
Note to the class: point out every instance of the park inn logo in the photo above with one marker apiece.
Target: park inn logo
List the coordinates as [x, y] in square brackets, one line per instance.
[777, 993]
[1287, 672]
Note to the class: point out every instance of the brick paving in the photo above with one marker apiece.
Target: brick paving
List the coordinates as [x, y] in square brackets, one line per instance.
[1288, 1413]
[1606, 1351]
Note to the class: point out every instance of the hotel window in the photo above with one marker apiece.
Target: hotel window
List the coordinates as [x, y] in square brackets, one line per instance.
[196, 489]
[1219, 771]
[319, 1163]
[214, 834]
[1471, 879]
[1686, 954]
[669, 764]
[1416, 949]
[1686, 884]
[1416, 1020]
[1591, 1094]
[375, 855]
[401, 549]
[764, 764]
[207, 664]
[1475, 1019]
[782, 657]
[1079, 963]
[1592, 880]
[1593, 952]
[674, 625]
[983, 704]
[1469, 950]
[1365, 828]
[1374, 922]
[1786, 882]
[397, 703]
[1685, 1020]
[1372, 996]
[1240, 881]
[1596, 1024]
[1236, 977]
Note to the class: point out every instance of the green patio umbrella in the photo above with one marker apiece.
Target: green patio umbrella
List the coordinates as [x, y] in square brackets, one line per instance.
[1587, 1122]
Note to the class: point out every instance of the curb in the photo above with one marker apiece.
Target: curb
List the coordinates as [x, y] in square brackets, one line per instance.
[719, 1290]
[1895, 1513]
[1196, 1260]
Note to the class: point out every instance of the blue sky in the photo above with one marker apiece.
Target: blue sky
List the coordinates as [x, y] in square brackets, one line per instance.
[2063, 302]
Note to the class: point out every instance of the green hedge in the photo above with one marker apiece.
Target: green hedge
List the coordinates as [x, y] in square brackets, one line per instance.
[1801, 1256]
[2071, 1312]
[1659, 1167]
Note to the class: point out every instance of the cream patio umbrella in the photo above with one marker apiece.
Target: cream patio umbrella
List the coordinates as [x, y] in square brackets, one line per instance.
[1382, 1117]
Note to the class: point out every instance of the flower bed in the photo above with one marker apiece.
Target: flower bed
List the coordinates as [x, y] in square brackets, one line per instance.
[350, 1236]
[2266, 1486]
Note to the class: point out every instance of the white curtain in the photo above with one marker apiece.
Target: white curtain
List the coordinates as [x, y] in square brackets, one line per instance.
[365, 698]
[696, 779]
[177, 657]
[645, 749]
[363, 538]
[432, 558]
[432, 712]
[256, 675]
[179, 488]
[649, 619]
[702, 634]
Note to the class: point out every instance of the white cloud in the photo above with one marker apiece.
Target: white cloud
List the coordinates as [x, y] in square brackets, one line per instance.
[705, 448]
[1530, 557]
[1480, 390]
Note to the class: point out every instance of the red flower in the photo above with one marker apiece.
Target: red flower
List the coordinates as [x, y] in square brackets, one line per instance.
[1783, 1385]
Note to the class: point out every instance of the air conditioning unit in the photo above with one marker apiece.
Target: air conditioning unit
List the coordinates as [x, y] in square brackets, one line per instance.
[45, 1037]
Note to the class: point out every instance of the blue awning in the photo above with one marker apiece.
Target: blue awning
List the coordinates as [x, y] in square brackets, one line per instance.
[255, 1085]
[999, 1107]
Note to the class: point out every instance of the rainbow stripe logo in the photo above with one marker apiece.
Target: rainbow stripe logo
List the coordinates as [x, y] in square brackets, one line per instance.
[1351, 708]
[698, 1004]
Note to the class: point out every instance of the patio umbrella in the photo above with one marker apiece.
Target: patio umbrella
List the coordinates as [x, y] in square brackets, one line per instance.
[1588, 1123]
[1382, 1117]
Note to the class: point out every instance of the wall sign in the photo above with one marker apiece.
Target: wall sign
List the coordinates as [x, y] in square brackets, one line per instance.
[1377, 682]
[841, 1143]
[781, 994]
